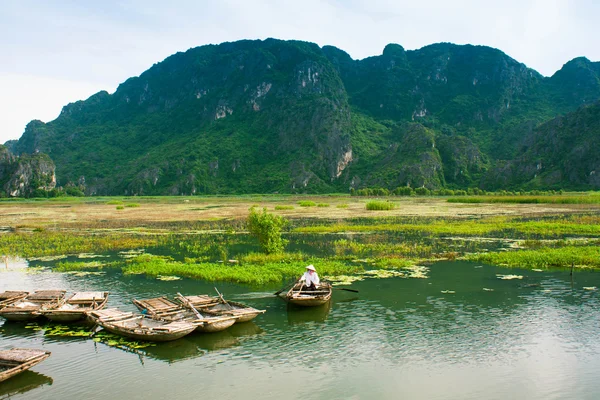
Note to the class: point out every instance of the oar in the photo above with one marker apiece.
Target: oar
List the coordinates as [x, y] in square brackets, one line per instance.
[222, 299]
[190, 305]
[347, 290]
[284, 289]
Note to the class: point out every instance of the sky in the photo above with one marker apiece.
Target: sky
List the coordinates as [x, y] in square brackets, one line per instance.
[55, 52]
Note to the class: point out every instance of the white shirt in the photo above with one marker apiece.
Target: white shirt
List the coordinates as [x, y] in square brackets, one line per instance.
[310, 278]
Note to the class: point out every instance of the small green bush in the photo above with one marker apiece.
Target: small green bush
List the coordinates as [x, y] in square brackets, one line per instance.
[132, 205]
[307, 203]
[120, 207]
[378, 205]
[344, 205]
[322, 205]
[284, 207]
[267, 229]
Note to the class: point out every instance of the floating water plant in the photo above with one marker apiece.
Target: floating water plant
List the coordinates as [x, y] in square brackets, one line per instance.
[509, 277]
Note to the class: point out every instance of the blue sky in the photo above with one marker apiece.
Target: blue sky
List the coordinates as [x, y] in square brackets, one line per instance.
[55, 52]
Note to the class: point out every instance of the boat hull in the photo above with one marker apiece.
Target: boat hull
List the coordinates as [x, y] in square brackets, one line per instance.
[16, 367]
[301, 297]
[19, 315]
[210, 327]
[148, 337]
[65, 316]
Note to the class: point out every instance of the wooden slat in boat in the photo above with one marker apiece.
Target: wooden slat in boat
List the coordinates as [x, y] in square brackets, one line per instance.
[76, 307]
[109, 314]
[164, 309]
[29, 308]
[240, 311]
[15, 361]
[10, 296]
[299, 296]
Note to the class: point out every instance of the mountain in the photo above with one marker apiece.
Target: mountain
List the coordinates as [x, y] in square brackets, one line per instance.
[289, 116]
[24, 175]
[564, 149]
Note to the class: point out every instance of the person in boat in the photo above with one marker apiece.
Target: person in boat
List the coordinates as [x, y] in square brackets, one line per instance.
[310, 279]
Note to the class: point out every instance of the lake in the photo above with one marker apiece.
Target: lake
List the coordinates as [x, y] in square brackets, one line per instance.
[463, 333]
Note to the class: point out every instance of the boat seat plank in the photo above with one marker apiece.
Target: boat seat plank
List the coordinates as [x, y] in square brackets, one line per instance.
[87, 297]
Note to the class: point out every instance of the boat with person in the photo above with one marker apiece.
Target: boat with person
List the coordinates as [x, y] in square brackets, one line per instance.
[17, 360]
[299, 295]
[140, 327]
[29, 307]
[162, 308]
[76, 306]
[10, 296]
[220, 306]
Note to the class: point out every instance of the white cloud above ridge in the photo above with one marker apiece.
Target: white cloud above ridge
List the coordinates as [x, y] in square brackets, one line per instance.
[97, 45]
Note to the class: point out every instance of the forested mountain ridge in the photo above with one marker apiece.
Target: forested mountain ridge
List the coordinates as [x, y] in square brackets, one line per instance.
[289, 116]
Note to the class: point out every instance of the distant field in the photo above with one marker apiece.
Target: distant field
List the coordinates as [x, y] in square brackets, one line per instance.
[132, 212]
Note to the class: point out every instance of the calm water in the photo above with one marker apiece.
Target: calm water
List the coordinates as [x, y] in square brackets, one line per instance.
[535, 338]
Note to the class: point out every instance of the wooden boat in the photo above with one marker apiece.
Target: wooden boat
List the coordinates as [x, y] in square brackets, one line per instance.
[15, 361]
[10, 296]
[167, 310]
[300, 296]
[140, 327]
[220, 306]
[29, 308]
[76, 307]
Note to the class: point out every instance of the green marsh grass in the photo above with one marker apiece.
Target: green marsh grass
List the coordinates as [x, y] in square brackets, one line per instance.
[284, 207]
[307, 203]
[378, 205]
[322, 205]
[563, 257]
[251, 274]
[545, 199]
[343, 205]
[50, 243]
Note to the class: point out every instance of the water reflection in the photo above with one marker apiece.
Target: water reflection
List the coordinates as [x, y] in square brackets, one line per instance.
[301, 315]
[23, 383]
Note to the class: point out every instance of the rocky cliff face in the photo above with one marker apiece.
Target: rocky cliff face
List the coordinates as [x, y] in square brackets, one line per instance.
[22, 176]
[288, 116]
[564, 149]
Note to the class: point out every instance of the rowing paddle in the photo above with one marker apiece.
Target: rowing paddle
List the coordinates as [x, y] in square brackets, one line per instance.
[284, 288]
[347, 290]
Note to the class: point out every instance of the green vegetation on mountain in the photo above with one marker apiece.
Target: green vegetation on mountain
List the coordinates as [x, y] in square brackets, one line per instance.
[289, 116]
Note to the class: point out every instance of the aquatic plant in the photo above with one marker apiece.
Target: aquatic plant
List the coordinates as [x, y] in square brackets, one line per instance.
[307, 203]
[563, 257]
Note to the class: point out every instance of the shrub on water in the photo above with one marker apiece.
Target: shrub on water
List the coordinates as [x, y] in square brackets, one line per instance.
[378, 205]
[132, 205]
[120, 207]
[322, 205]
[307, 203]
[267, 229]
[344, 205]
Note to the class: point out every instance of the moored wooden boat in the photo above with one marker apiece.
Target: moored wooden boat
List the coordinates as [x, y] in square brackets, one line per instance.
[140, 327]
[29, 308]
[167, 310]
[220, 306]
[300, 296]
[15, 361]
[76, 307]
[10, 296]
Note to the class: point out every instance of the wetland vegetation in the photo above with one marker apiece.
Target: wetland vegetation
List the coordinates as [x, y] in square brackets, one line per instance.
[229, 240]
